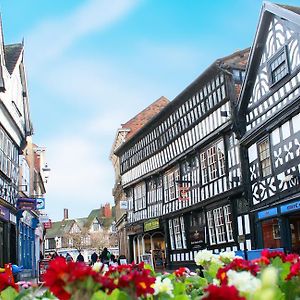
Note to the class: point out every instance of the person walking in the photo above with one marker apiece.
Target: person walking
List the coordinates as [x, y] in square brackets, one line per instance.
[105, 256]
[80, 257]
[69, 257]
[94, 257]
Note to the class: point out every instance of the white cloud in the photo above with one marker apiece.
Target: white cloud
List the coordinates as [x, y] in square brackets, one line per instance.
[79, 180]
[53, 37]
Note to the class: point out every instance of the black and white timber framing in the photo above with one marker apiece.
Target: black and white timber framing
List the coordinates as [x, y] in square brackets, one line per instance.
[192, 141]
[269, 128]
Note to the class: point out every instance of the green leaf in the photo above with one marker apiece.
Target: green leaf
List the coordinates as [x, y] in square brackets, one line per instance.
[181, 297]
[9, 294]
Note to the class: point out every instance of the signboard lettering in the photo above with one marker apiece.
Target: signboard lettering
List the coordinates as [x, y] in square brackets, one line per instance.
[267, 213]
[4, 213]
[151, 225]
[26, 204]
[290, 207]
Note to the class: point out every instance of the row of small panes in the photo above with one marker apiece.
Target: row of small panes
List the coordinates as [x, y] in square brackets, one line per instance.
[208, 91]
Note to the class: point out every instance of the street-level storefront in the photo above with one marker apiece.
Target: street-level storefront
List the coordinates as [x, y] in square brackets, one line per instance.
[27, 224]
[147, 243]
[279, 226]
[8, 244]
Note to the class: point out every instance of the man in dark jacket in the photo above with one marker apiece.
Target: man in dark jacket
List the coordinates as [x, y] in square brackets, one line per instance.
[94, 257]
[80, 257]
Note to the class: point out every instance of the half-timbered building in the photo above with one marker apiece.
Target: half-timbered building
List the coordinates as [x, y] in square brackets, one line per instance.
[182, 172]
[269, 125]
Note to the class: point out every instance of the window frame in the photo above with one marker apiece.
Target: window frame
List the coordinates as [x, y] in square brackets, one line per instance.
[260, 142]
[283, 50]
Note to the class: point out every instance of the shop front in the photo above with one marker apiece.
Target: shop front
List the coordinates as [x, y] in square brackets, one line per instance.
[4, 220]
[27, 257]
[279, 227]
[8, 244]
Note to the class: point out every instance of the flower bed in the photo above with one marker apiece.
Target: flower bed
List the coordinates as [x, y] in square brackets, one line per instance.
[225, 276]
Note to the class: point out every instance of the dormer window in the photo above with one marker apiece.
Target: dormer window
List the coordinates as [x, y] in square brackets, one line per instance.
[278, 66]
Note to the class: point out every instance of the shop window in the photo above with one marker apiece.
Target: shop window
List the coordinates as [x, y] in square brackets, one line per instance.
[220, 225]
[271, 233]
[264, 157]
[278, 66]
[177, 233]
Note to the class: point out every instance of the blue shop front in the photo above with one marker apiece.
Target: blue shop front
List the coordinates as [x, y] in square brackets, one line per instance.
[279, 226]
[27, 223]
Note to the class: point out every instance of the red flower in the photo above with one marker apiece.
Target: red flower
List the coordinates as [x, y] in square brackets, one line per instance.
[182, 272]
[222, 292]
[294, 271]
[5, 281]
[292, 258]
[222, 275]
[272, 254]
[262, 261]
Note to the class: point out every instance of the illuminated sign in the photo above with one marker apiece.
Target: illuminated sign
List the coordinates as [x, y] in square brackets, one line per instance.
[151, 225]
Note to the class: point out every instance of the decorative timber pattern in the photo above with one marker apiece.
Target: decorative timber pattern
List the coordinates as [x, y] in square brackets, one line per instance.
[265, 101]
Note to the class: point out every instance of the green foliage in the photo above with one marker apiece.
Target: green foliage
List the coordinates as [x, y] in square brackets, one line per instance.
[8, 294]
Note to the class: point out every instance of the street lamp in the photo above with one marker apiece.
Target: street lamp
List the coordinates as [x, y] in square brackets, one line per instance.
[46, 170]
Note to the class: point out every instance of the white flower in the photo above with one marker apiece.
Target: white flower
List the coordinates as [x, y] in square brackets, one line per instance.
[269, 277]
[163, 286]
[227, 256]
[203, 256]
[100, 267]
[244, 281]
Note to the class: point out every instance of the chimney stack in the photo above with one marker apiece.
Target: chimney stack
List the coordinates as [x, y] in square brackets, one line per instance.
[66, 214]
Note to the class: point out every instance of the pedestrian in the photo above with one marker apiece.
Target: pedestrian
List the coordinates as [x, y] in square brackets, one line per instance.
[94, 257]
[113, 261]
[80, 257]
[54, 255]
[69, 257]
[105, 256]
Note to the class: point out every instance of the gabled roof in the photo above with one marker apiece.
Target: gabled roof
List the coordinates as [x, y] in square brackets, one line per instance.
[286, 12]
[59, 228]
[143, 117]
[12, 53]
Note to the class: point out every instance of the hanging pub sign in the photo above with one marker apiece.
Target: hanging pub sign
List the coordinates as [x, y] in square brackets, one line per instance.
[26, 204]
[124, 204]
[44, 218]
[197, 236]
[183, 193]
[40, 203]
[48, 225]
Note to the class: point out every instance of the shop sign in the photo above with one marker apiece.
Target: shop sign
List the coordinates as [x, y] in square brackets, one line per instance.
[183, 193]
[151, 225]
[4, 213]
[26, 204]
[40, 203]
[290, 207]
[197, 235]
[27, 218]
[267, 213]
[44, 218]
[124, 204]
[12, 218]
[48, 225]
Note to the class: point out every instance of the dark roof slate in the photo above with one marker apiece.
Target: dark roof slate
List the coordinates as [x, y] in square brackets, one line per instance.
[59, 228]
[294, 9]
[12, 53]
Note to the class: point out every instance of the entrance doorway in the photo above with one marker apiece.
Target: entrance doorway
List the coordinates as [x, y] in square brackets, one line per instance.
[294, 221]
[147, 244]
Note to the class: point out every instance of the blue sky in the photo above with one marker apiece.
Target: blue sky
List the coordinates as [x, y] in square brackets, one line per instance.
[94, 64]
